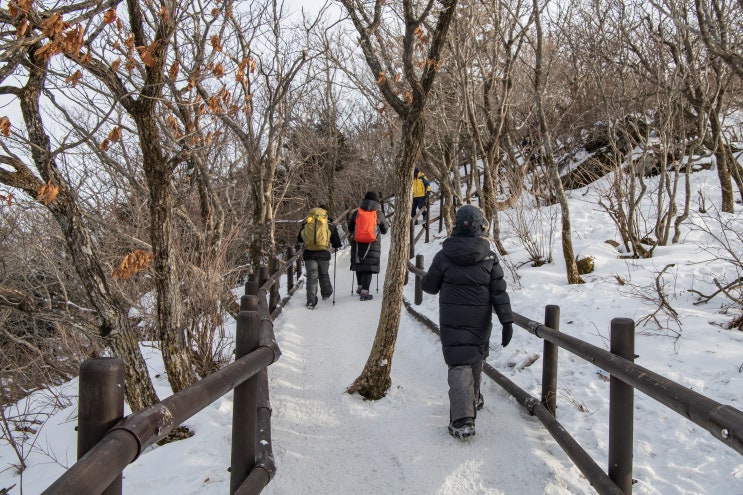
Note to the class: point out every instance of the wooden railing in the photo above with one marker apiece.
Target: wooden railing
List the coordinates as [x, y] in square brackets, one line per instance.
[108, 442]
[724, 422]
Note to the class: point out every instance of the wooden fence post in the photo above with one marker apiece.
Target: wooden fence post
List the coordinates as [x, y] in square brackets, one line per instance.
[251, 289]
[411, 253]
[418, 286]
[273, 296]
[621, 408]
[101, 405]
[427, 219]
[549, 370]
[244, 404]
[289, 269]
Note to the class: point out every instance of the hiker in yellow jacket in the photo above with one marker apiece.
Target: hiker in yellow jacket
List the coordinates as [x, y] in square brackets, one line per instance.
[421, 190]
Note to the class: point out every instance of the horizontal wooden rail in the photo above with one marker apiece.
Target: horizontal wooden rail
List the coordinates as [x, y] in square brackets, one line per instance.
[125, 442]
[582, 460]
[724, 422]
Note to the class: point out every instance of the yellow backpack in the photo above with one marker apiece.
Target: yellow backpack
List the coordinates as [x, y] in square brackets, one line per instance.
[316, 232]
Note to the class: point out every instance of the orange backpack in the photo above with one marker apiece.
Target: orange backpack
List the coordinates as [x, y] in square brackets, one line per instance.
[366, 226]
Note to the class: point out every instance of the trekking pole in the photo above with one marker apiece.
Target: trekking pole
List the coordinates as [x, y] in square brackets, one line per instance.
[353, 276]
[335, 265]
[377, 283]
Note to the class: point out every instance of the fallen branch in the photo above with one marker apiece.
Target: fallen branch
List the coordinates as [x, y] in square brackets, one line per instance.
[720, 289]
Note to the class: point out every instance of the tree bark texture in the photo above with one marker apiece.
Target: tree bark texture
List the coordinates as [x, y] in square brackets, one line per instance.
[375, 380]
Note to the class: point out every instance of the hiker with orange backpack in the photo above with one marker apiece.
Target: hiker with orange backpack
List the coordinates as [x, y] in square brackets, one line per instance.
[365, 224]
[319, 236]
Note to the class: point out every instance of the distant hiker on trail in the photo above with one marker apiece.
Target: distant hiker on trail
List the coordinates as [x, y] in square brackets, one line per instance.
[364, 225]
[470, 281]
[318, 234]
[421, 190]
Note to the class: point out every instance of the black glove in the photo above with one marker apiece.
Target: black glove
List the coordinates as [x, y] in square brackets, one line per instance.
[507, 334]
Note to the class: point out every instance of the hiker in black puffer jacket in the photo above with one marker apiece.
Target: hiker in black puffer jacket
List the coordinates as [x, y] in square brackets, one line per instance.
[469, 278]
[365, 255]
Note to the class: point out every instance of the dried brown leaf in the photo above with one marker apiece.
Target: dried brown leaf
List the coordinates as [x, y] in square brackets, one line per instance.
[54, 25]
[110, 16]
[115, 135]
[47, 193]
[21, 28]
[173, 72]
[216, 43]
[218, 70]
[74, 78]
[5, 126]
[133, 263]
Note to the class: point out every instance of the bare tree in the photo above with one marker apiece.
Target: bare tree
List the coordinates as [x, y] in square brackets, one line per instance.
[719, 24]
[405, 79]
[546, 147]
[268, 60]
[488, 86]
[706, 78]
[43, 181]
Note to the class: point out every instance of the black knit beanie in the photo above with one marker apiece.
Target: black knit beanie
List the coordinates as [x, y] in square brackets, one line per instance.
[372, 196]
[469, 221]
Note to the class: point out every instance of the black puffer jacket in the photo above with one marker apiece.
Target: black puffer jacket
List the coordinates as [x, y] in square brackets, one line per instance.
[365, 257]
[468, 275]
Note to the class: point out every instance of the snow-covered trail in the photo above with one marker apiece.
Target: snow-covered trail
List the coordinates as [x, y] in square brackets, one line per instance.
[327, 441]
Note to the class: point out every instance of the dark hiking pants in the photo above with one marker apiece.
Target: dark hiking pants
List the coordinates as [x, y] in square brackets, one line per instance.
[464, 388]
[317, 271]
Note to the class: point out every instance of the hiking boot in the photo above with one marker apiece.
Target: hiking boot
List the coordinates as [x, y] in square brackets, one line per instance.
[480, 402]
[358, 290]
[365, 296]
[462, 428]
[311, 304]
[416, 222]
[325, 298]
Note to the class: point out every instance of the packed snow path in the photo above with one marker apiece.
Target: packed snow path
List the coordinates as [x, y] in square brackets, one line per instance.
[327, 441]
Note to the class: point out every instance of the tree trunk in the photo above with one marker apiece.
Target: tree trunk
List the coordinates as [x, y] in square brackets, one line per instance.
[723, 168]
[567, 242]
[176, 356]
[375, 380]
[114, 324]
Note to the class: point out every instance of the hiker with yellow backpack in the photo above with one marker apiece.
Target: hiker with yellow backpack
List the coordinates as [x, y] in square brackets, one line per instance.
[319, 236]
[364, 225]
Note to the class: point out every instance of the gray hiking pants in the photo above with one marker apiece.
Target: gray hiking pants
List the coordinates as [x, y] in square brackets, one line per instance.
[317, 271]
[464, 388]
